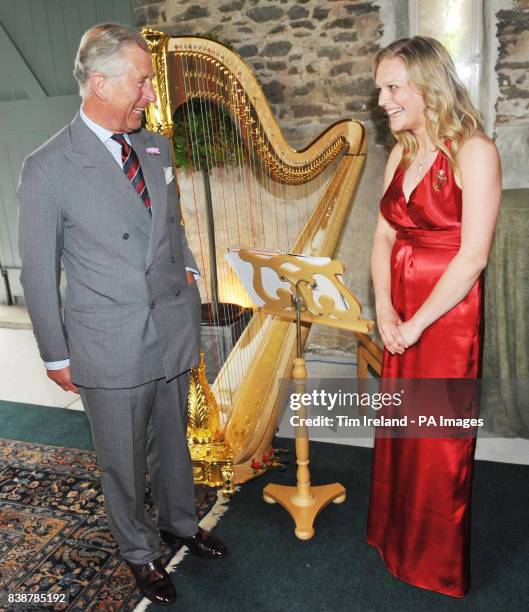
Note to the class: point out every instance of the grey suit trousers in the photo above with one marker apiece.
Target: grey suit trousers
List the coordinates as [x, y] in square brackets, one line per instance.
[135, 428]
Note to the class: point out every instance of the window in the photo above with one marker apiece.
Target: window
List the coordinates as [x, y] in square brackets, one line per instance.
[458, 25]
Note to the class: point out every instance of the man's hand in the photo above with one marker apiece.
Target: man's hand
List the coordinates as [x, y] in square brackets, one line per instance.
[63, 378]
[190, 277]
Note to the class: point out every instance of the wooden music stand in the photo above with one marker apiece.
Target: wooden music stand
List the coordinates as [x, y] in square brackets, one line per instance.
[309, 290]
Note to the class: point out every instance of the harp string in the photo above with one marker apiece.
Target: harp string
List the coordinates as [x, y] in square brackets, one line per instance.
[208, 154]
[231, 169]
[254, 194]
[222, 206]
[226, 145]
[218, 310]
[244, 179]
[193, 154]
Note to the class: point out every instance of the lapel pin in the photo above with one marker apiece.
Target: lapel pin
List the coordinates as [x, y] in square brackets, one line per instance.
[153, 150]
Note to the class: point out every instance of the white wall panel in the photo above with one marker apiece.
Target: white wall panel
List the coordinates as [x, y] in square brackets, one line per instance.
[38, 94]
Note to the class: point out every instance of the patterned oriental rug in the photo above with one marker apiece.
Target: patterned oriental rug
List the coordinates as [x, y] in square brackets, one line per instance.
[54, 539]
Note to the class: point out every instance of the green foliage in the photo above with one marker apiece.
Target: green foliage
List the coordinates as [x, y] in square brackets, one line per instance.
[205, 136]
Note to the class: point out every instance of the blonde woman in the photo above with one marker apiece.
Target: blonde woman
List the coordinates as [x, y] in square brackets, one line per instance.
[442, 188]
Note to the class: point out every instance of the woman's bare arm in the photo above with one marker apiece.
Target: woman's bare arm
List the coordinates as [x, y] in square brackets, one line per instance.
[384, 239]
[481, 184]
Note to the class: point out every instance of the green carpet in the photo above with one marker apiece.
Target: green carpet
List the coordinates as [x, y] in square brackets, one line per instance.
[45, 425]
[270, 570]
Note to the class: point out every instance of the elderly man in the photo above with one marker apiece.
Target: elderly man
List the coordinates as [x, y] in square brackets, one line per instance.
[100, 197]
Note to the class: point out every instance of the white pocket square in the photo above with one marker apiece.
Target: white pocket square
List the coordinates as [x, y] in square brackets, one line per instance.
[168, 174]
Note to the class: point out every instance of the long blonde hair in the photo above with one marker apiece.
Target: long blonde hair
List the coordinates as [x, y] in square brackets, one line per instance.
[449, 113]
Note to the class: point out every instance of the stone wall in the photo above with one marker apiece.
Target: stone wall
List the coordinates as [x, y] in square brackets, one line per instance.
[314, 60]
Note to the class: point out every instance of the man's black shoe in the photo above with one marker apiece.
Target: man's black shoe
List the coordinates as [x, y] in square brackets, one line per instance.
[154, 582]
[203, 544]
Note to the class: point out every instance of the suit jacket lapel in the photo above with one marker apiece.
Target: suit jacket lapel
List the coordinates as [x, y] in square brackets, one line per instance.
[96, 163]
[152, 168]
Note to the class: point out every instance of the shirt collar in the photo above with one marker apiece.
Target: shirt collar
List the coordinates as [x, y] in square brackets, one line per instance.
[102, 133]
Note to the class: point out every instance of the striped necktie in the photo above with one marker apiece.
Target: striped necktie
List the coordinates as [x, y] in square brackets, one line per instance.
[132, 168]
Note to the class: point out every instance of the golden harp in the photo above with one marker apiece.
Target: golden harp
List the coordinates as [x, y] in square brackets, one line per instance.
[278, 198]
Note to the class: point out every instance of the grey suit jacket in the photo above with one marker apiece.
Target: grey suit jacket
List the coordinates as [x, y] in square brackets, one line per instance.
[129, 314]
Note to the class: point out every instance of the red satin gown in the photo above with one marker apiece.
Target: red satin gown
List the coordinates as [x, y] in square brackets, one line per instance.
[419, 515]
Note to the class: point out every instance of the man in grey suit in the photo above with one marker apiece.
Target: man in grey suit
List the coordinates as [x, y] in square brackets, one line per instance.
[100, 197]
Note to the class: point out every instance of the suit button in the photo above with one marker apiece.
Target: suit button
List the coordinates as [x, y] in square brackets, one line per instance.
[147, 272]
[172, 259]
[172, 219]
[151, 305]
[177, 293]
[125, 236]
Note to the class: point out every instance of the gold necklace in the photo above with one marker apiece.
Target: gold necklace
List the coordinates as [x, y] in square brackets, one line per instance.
[420, 165]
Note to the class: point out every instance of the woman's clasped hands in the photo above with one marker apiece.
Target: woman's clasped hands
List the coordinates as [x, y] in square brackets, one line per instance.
[396, 334]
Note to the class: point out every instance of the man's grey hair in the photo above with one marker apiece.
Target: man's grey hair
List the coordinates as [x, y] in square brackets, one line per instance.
[101, 50]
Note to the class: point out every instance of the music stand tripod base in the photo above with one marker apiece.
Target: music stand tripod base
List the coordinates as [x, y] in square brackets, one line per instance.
[304, 515]
[303, 502]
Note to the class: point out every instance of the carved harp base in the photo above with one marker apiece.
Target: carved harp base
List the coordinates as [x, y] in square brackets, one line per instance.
[304, 515]
[213, 465]
[215, 471]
